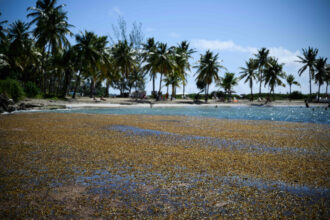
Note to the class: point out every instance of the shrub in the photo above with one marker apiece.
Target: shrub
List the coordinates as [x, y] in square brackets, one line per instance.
[296, 95]
[31, 90]
[12, 88]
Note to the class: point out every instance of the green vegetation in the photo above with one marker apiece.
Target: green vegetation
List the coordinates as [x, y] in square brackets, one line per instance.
[38, 54]
[31, 90]
[12, 89]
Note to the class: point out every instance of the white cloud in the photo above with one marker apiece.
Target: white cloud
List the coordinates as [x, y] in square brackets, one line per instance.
[284, 55]
[115, 11]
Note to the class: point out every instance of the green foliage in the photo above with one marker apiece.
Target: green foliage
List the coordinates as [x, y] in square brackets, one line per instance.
[12, 89]
[31, 90]
[296, 95]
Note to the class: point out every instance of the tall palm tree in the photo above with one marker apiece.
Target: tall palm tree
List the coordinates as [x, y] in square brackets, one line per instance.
[227, 83]
[249, 73]
[124, 58]
[50, 30]
[88, 54]
[273, 74]
[262, 57]
[291, 81]
[185, 54]
[150, 49]
[2, 30]
[207, 70]
[308, 60]
[20, 44]
[320, 75]
[163, 62]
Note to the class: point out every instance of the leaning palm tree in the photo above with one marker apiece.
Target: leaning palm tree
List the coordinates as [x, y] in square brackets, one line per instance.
[262, 57]
[320, 75]
[274, 74]
[249, 73]
[227, 83]
[291, 81]
[207, 70]
[308, 60]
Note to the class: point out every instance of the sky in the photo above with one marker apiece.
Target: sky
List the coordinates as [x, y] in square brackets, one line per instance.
[235, 29]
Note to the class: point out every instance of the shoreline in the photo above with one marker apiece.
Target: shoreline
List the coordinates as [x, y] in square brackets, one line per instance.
[84, 102]
[30, 105]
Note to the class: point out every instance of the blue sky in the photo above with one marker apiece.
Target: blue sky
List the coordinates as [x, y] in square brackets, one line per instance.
[234, 29]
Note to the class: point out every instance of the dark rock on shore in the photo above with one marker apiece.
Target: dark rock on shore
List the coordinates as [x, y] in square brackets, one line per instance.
[6, 104]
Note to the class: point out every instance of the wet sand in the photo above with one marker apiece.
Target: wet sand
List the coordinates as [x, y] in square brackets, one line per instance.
[56, 165]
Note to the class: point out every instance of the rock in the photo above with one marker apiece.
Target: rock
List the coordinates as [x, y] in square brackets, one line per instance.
[11, 102]
[11, 108]
[33, 105]
[5, 102]
[53, 107]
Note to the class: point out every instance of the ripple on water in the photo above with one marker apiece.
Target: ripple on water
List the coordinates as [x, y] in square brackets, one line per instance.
[184, 140]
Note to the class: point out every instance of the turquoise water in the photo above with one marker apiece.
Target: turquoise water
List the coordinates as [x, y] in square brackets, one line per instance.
[291, 114]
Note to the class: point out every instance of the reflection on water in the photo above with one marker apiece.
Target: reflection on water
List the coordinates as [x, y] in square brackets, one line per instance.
[291, 114]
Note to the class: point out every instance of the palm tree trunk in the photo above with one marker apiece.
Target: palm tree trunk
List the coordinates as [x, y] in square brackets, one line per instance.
[184, 86]
[327, 89]
[76, 86]
[310, 84]
[107, 88]
[65, 84]
[206, 92]
[251, 86]
[260, 79]
[153, 84]
[160, 85]
[173, 92]
[290, 90]
[91, 88]
[167, 89]
[318, 93]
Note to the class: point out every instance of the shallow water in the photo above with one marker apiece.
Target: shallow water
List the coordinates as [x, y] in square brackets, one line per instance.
[290, 114]
[186, 140]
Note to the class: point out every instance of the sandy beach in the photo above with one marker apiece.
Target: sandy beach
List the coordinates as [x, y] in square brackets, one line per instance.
[86, 102]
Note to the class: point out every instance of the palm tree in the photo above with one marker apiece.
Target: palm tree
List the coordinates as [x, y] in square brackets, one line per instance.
[124, 58]
[51, 28]
[273, 74]
[207, 70]
[2, 31]
[227, 83]
[327, 77]
[320, 75]
[20, 45]
[87, 55]
[163, 62]
[150, 49]
[262, 57]
[249, 73]
[308, 60]
[291, 81]
[185, 54]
